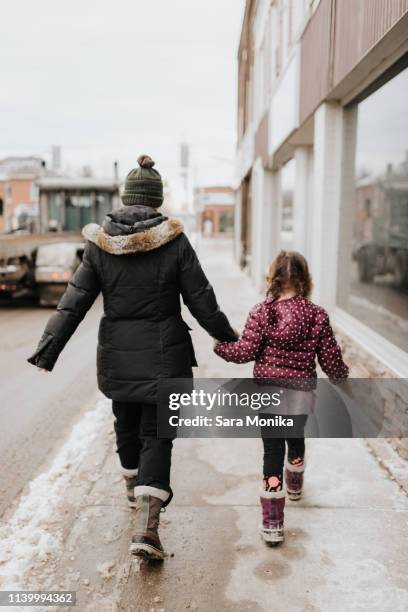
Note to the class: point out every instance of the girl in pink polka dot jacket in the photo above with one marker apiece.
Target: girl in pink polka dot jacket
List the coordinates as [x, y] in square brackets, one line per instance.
[283, 335]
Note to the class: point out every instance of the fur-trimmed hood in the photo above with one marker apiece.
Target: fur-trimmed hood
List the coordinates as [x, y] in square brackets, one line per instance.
[139, 242]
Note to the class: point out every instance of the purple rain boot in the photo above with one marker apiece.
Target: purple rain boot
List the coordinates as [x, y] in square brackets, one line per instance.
[273, 504]
[294, 480]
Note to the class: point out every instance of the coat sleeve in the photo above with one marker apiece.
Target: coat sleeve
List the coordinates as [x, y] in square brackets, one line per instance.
[247, 347]
[198, 295]
[81, 292]
[329, 353]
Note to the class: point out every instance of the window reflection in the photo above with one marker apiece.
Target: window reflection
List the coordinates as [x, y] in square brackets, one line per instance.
[377, 292]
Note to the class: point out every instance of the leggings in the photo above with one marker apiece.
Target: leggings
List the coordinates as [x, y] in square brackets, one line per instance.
[138, 445]
[274, 448]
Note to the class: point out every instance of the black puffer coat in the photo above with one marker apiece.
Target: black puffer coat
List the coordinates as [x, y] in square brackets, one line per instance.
[142, 336]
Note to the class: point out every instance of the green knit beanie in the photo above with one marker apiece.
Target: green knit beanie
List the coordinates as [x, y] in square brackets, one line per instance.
[143, 185]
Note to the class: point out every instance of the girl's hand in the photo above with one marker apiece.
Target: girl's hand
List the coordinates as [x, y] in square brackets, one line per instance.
[215, 343]
[43, 370]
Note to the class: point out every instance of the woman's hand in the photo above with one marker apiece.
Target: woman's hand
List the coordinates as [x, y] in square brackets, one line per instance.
[216, 342]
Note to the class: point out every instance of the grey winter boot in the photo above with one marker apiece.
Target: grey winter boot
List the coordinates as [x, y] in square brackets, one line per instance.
[145, 539]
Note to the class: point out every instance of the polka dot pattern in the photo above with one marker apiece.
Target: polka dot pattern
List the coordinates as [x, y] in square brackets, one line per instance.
[284, 338]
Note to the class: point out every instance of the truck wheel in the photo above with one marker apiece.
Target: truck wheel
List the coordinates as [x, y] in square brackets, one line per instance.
[401, 271]
[365, 269]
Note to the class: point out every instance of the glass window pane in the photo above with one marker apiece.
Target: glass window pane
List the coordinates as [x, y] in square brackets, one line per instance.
[376, 291]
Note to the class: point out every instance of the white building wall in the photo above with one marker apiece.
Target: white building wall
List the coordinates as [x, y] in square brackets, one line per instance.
[265, 221]
[333, 182]
[257, 224]
[275, 89]
[284, 110]
[325, 208]
[245, 155]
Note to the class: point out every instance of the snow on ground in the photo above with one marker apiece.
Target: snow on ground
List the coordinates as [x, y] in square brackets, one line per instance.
[29, 537]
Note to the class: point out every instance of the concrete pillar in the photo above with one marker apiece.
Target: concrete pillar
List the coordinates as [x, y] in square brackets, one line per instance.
[347, 198]
[257, 222]
[302, 198]
[265, 221]
[271, 217]
[237, 225]
[332, 165]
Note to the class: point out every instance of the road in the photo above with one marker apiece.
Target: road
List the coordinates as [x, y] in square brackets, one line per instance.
[36, 409]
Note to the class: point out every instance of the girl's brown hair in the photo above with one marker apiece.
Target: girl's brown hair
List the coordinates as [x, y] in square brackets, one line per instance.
[289, 270]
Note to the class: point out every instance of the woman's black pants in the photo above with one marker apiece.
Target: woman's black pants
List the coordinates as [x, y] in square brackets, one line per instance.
[274, 448]
[138, 445]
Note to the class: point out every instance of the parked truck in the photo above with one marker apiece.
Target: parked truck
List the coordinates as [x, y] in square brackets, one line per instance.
[383, 231]
[41, 264]
[38, 265]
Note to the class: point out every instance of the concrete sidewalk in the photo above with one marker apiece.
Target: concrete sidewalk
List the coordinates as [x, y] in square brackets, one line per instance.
[346, 541]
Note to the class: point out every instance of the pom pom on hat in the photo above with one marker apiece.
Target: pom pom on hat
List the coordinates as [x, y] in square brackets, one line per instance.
[143, 185]
[145, 161]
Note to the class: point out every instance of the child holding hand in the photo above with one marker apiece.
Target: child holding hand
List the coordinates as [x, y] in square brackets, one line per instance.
[283, 335]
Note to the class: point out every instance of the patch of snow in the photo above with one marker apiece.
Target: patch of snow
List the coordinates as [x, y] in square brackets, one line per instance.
[29, 536]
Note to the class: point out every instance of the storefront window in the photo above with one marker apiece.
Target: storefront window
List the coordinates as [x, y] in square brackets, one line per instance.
[373, 283]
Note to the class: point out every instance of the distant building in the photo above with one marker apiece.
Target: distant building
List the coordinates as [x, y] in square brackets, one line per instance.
[215, 206]
[19, 192]
[36, 198]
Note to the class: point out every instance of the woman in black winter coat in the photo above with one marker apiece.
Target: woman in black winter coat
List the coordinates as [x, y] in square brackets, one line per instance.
[142, 262]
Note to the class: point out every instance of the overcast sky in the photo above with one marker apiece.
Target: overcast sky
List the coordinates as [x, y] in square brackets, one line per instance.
[383, 126]
[108, 80]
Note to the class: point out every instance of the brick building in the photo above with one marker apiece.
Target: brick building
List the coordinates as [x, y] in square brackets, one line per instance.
[19, 191]
[216, 209]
